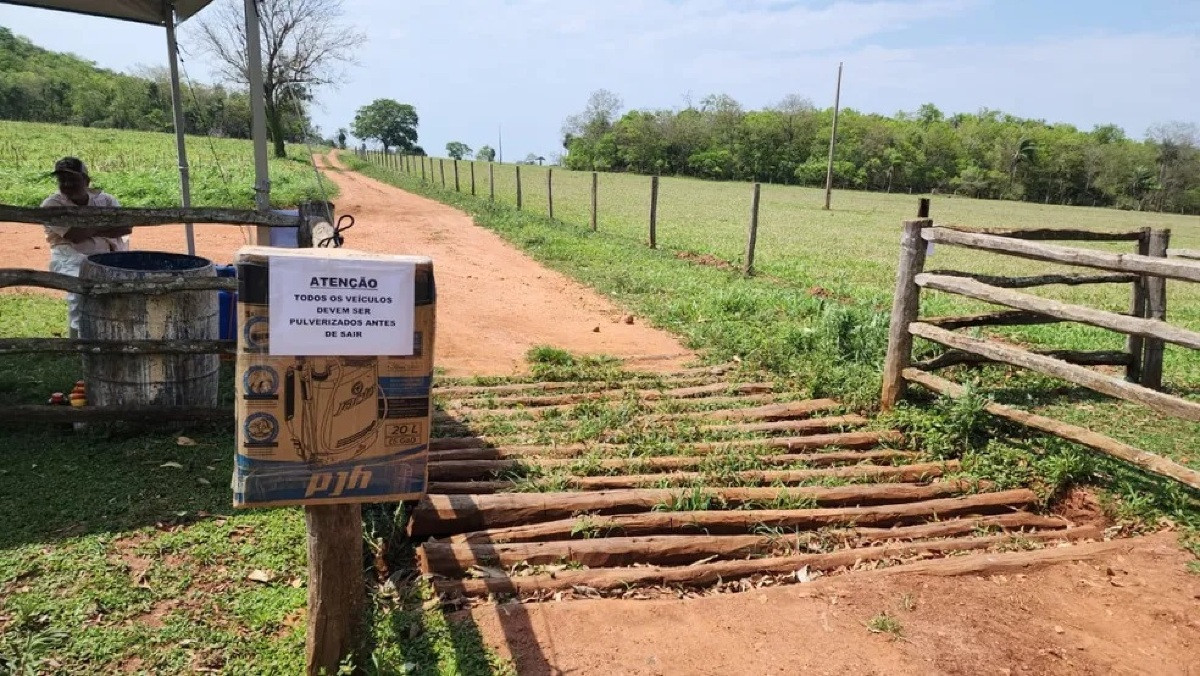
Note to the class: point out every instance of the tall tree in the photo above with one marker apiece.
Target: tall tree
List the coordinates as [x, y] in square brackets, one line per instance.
[457, 150]
[486, 154]
[305, 46]
[390, 122]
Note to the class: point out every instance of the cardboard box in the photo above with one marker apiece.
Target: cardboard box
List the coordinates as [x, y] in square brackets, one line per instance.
[327, 429]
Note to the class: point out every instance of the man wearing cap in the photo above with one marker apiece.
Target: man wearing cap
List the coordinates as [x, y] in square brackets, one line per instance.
[70, 246]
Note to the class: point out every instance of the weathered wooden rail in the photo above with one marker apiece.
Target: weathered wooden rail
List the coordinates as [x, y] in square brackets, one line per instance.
[1144, 325]
[101, 218]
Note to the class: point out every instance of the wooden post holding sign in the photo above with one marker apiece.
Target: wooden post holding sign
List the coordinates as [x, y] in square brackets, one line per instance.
[334, 369]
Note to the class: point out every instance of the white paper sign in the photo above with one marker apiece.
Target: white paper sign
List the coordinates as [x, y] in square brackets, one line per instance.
[340, 307]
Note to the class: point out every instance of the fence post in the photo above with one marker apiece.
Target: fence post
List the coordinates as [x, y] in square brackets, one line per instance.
[653, 212]
[550, 192]
[442, 171]
[456, 176]
[472, 178]
[518, 186]
[748, 266]
[1136, 345]
[422, 158]
[595, 180]
[906, 303]
[1156, 308]
[491, 182]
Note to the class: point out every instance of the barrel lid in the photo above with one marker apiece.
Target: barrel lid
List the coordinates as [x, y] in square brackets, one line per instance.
[127, 263]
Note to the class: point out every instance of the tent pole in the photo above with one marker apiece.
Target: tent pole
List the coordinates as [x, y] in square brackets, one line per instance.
[258, 119]
[185, 181]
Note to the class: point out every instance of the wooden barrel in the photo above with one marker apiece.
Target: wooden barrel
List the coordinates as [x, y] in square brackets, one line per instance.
[152, 379]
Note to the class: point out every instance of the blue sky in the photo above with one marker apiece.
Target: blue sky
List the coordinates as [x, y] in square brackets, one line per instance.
[471, 66]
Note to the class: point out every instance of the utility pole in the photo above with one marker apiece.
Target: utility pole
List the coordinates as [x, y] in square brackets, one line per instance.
[837, 99]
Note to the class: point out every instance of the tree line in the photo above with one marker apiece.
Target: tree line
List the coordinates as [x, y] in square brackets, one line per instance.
[39, 85]
[989, 154]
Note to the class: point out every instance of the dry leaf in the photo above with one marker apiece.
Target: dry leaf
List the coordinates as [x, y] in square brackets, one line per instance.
[259, 575]
[172, 465]
[185, 441]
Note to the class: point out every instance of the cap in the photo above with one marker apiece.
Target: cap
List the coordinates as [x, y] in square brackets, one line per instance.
[72, 165]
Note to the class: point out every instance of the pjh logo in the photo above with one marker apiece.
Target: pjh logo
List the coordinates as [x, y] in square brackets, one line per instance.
[319, 483]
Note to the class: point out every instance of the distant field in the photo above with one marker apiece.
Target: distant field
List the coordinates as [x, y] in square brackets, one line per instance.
[141, 168]
[850, 254]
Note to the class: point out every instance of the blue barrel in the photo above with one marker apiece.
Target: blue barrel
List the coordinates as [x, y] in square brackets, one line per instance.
[227, 305]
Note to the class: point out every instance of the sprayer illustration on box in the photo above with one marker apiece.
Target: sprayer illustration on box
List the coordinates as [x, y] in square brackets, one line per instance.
[332, 407]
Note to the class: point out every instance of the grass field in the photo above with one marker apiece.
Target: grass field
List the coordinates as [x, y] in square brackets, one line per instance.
[141, 169]
[848, 254]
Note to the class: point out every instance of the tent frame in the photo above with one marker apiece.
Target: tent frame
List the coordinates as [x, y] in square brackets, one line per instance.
[258, 123]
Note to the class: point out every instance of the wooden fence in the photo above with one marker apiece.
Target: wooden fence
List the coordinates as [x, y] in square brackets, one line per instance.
[1145, 325]
[414, 165]
[97, 218]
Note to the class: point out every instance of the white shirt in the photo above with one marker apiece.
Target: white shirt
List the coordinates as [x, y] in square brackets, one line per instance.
[91, 245]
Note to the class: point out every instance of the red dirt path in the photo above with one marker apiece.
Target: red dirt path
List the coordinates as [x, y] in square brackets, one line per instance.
[1132, 611]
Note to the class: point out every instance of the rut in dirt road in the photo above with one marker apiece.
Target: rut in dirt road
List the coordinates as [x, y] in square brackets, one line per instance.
[494, 302]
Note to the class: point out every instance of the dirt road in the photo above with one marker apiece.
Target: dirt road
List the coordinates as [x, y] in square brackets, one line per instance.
[494, 302]
[1133, 612]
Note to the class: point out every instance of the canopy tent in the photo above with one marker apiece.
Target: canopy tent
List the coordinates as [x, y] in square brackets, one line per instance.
[141, 11]
[168, 13]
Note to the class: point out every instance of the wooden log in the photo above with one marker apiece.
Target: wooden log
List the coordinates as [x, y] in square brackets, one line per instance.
[123, 217]
[1079, 375]
[455, 559]
[708, 573]
[653, 212]
[444, 514]
[992, 563]
[1191, 254]
[450, 443]
[595, 201]
[1135, 345]
[906, 304]
[1156, 310]
[131, 347]
[793, 444]
[839, 422]
[461, 470]
[1080, 435]
[1090, 258]
[1096, 358]
[900, 473]
[739, 521]
[541, 411]
[465, 391]
[645, 394]
[1004, 318]
[752, 235]
[1068, 279]
[70, 284]
[1053, 234]
[1149, 328]
[336, 589]
[782, 411]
